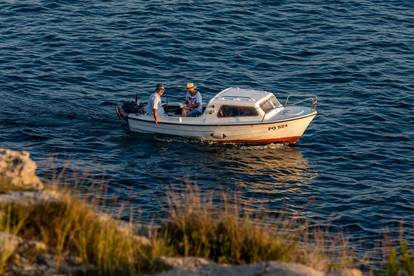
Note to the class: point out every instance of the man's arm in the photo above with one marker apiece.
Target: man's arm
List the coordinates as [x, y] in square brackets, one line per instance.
[155, 112]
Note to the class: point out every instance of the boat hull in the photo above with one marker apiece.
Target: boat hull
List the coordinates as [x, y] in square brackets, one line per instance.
[284, 131]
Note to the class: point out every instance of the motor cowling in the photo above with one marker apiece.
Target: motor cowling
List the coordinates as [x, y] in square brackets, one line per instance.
[133, 107]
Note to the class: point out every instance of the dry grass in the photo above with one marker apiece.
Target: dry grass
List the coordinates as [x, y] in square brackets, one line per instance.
[224, 233]
[196, 226]
[7, 242]
[71, 227]
[399, 260]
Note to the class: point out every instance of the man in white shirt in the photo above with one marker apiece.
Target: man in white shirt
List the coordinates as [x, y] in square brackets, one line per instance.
[154, 103]
[193, 105]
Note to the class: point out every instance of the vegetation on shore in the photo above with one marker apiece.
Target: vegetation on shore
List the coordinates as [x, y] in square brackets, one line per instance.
[402, 264]
[69, 226]
[227, 234]
[196, 226]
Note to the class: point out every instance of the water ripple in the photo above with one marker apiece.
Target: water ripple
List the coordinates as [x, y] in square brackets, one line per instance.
[63, 66]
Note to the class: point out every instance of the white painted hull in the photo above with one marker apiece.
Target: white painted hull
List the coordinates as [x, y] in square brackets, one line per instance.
[278, 131]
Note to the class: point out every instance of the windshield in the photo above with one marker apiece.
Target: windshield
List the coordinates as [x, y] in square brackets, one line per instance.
[267, 106]
[275, 102]
[270, 104]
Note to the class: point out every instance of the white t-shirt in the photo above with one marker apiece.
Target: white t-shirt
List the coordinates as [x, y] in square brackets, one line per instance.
[195, 99]
[155, 103]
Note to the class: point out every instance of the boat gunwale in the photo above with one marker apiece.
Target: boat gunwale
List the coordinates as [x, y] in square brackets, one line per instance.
[313, 113]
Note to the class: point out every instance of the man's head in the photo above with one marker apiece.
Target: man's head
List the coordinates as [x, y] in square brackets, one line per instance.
[160, 89]
[191, 88]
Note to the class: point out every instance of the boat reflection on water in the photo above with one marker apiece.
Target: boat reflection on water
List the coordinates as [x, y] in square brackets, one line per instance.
[271, 176]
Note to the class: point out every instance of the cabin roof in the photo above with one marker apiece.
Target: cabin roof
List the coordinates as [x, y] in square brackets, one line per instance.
[236, 94]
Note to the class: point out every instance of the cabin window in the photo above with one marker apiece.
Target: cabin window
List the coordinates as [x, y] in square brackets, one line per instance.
[270, 104]
[236, 111]
[267, 106]
[275, 102]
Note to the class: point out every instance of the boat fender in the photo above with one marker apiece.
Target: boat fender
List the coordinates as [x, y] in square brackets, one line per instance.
[218, 135]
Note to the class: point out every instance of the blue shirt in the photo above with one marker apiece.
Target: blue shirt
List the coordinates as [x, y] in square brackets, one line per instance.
[154, 102]
[196, 99]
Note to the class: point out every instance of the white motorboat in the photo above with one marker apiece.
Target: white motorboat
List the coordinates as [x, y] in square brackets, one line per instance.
[234, 115]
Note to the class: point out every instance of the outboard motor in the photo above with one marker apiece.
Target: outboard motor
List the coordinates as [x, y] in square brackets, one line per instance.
[133, 107]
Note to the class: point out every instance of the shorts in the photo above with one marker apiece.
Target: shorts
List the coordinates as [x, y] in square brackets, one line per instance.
[194, 113]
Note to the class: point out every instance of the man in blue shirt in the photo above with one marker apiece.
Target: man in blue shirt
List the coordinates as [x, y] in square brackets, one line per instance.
[193, 105]
[154, 103]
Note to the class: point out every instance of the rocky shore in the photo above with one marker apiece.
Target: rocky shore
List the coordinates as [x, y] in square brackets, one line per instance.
[28, 246]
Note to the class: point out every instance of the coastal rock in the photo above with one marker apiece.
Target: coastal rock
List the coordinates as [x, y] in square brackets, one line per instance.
[17, 171]
[32, 247]
[28, 198]
[198, 266]
[186, 263]
[346, 272]
[191, 266]
[31, 258]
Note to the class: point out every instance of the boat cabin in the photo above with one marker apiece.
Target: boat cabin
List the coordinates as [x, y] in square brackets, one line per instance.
[238, 102]
[236, 105]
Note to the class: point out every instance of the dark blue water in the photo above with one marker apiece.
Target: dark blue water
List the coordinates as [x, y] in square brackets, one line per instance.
[64, 64]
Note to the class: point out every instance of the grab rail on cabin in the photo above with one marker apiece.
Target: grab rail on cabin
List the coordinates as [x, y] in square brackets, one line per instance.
[313, 99]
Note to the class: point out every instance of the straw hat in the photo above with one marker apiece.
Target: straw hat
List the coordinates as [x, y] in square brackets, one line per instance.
[191, 85]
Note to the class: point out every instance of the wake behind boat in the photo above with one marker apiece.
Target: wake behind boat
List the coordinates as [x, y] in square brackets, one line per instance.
[235, 115]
